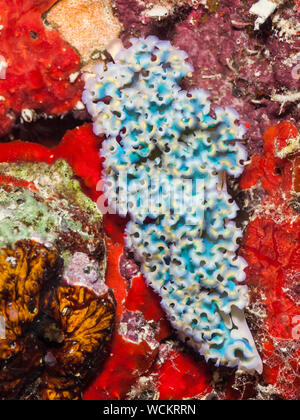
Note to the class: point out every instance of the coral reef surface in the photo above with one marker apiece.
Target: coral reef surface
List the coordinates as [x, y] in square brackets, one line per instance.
[146, 365]
[246, 55]
[256, 71]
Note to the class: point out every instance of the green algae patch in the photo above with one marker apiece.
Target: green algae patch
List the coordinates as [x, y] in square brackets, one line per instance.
[55, 211]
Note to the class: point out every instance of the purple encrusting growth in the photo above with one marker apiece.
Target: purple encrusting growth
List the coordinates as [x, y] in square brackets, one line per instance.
[240, 67]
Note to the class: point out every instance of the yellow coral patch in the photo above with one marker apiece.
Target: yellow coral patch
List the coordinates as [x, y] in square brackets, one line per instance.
[88, 25]
[297, 175]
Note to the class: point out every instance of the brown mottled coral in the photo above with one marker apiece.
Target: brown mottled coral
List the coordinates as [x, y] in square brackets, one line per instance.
[54, 337]
[86, 323]
[23, 272]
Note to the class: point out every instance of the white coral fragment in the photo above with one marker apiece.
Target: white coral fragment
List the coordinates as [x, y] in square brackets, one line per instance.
[263, 9]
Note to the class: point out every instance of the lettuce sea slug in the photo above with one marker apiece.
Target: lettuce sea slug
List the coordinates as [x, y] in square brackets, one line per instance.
[165, 157]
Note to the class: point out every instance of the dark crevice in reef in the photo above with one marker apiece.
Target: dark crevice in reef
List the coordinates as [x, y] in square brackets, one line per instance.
[164, 29]
[47, 131]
